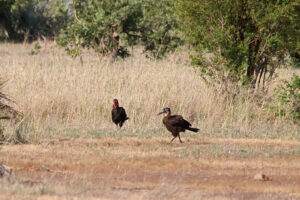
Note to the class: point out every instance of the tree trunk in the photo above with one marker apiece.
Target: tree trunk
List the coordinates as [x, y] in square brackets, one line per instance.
[252, 65]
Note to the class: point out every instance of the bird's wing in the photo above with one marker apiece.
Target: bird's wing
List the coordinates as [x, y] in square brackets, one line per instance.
[177, 120]
[122, 113]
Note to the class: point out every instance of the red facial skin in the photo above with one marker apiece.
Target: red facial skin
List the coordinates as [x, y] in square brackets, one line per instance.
[116, 103]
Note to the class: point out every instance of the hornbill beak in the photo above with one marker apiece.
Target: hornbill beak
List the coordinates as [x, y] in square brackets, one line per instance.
[161, 112]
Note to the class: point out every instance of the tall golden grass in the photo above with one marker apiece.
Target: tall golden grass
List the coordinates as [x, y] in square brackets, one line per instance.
[56, 92]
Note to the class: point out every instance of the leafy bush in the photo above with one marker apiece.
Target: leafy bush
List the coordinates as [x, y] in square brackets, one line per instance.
[31, 19]
[110, 26]
[253, 36]
[288, 96]
[158, 27]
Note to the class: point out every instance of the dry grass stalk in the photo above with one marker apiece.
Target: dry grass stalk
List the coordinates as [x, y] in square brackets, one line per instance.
[55, 91]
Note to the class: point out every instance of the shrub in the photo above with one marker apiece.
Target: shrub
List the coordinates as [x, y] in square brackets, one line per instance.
[288, 97]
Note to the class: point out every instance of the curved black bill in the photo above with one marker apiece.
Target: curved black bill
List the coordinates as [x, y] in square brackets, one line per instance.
[161, 113]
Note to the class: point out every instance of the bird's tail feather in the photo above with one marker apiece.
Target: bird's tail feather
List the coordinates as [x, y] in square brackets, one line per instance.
[192, 129]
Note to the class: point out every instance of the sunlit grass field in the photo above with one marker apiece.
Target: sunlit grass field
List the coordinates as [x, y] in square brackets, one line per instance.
[73, 150]
[65, 97]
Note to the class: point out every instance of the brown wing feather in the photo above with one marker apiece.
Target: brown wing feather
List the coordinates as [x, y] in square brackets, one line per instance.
[118, 115]
[177, 120]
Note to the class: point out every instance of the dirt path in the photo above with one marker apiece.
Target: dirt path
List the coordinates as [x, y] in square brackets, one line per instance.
[134, 168]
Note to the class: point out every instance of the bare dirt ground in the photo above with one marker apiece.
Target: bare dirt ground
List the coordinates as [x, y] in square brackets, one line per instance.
[137, 168]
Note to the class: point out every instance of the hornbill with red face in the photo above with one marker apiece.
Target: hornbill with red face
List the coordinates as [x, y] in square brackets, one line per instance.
[118, 114]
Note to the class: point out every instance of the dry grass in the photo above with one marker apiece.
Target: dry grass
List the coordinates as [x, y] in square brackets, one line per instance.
[136, 168]
[75, 151]
[60, 96]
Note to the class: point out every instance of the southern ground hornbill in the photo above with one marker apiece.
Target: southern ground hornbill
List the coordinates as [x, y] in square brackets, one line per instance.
[118, 114]
[176, 124]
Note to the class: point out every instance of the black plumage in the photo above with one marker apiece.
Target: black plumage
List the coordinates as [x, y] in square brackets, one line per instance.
[118, 114]
[176, 124]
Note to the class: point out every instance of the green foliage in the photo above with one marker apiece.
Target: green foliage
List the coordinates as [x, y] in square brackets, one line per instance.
[252, 36]
[36, 49]
[295, 59]
[159, 27]
[32, 19]
[98, 25]
[110, 26]
[288, 96]
[5, 15]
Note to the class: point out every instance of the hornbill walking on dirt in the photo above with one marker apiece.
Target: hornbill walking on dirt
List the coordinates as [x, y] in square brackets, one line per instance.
[118, 114]
[176, 124]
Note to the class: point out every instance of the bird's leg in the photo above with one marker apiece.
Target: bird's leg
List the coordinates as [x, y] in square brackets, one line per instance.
[172, 140]
[179, 138]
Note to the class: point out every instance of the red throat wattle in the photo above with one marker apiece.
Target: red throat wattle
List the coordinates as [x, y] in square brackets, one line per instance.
[116, 104]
